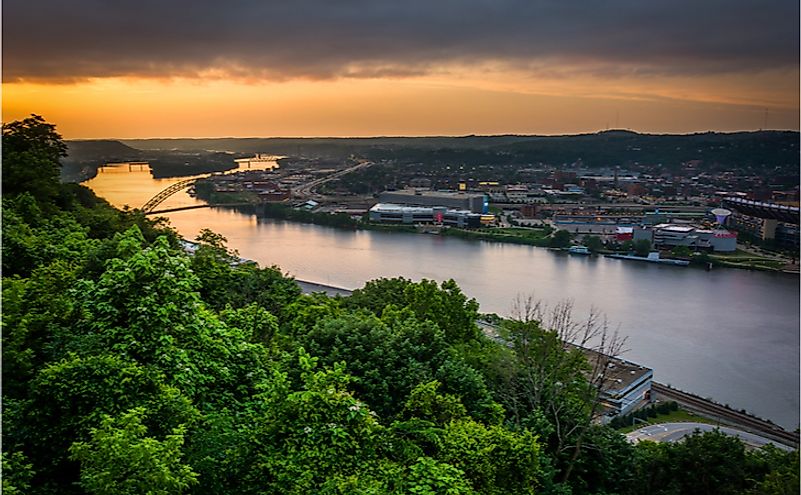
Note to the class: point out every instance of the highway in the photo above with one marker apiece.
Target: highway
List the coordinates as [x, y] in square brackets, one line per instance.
[673, 432]
[307, 190]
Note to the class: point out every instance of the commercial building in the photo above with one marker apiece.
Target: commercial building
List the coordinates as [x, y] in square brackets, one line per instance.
[668, 235]
[594, 223]
[521, 193]
[473, 202]
[625, 386]
[410, 215]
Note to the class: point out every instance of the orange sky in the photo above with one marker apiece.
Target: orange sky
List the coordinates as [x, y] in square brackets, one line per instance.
[453, 102]
[204, 68]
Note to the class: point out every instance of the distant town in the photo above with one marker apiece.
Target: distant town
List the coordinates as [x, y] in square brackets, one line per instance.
[639, 210]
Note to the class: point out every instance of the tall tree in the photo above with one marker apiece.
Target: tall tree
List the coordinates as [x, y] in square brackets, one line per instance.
[121, 459]
[31, 152]
[446, 305]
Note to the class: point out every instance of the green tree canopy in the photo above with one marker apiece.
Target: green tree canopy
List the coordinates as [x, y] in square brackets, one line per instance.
[31, 152]
[642, 247]
[560, 239]
[593, 243]
[121, 459]
[444, 305]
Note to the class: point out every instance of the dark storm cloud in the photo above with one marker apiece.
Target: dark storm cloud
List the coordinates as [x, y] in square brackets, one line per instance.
[65, 40]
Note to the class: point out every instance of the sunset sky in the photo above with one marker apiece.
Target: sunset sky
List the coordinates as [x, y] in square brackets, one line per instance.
[387, 67]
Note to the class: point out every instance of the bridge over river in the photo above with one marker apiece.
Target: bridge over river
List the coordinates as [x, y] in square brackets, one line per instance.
[149, 208]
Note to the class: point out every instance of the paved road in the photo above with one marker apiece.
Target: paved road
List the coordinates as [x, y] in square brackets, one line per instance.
[674, 432]
[307, 190]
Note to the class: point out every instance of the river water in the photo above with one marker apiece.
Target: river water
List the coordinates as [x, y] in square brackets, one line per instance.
[731, 335]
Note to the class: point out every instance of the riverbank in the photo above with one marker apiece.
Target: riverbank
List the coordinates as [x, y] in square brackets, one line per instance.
[536, 237]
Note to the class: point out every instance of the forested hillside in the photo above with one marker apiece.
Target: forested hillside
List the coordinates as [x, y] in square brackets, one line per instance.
[766, 151]
[130, 367]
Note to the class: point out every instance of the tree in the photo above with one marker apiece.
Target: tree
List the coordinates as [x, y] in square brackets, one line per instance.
[606, 464]
[255, 323]
[429, 477]
[560, 373]
[120, 458]
[70, 397]
[391, 355]
[642, 247]
[593, 243]
[446, 305]
[144, 307]
[781, 471]
[31, 152]
[303, 437]
[712, 462]
[681, 251]
[387, 360]
[495, 460]
[17, 473]
[560, 239]
[226, 281]
[425, 403]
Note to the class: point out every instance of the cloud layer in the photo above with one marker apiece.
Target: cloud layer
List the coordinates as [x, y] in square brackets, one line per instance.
[52, 40]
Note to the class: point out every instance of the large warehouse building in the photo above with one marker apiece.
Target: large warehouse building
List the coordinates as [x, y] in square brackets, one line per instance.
[473, 202]
[410, 215]
[668, 235]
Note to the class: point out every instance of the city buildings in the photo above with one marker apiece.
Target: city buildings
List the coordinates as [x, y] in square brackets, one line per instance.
[410, 215]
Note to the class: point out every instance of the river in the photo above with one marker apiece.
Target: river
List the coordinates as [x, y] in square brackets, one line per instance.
[731, 335]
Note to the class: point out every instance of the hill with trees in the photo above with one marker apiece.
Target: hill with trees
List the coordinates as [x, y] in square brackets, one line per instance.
[747, 150]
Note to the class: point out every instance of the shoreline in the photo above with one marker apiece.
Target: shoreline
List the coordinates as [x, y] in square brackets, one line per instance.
[517, 240]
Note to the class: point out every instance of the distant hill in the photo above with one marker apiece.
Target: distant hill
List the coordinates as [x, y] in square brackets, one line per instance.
[100, 149]
[608, 148]
[85, 156]
[742, 149]
[776, 152]
[322, 145]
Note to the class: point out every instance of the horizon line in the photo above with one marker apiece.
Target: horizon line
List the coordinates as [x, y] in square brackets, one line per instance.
[436, 136]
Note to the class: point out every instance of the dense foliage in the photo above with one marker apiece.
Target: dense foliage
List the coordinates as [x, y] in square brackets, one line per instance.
[130, 366]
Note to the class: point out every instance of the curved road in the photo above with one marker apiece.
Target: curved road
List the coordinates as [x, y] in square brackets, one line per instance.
[307, 190]
[674, 432]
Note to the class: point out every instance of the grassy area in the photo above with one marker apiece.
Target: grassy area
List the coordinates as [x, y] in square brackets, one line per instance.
[739, 253]
[679, 416]
[513, 235]
[748, 262]
[741, 259]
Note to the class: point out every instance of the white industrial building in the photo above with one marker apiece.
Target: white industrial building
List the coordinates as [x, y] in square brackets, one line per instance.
[668, 235]
[410, 215]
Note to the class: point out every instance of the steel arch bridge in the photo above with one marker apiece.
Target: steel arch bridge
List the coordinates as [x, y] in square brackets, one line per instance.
[166, 193]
